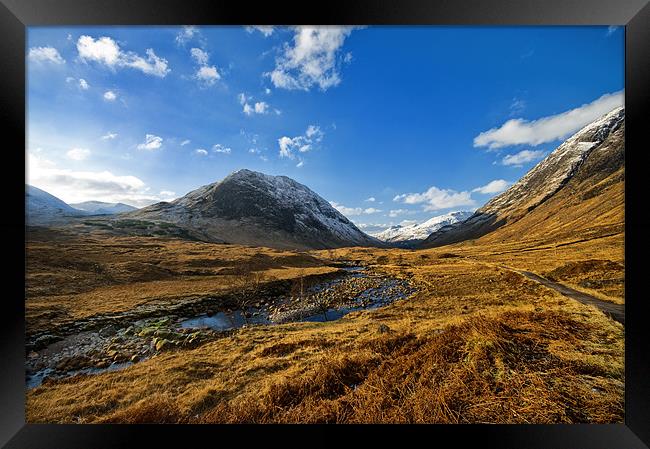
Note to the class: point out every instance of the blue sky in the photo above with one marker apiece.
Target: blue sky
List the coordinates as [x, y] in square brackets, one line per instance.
[392, 124]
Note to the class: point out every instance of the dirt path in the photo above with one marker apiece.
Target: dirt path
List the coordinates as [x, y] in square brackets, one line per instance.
[615, 311]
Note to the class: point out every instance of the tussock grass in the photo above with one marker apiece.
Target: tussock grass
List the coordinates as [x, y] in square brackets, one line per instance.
[476, 343]
[500, 370]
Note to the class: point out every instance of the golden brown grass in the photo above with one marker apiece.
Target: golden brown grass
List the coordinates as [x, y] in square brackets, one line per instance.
[71, 277]
[476, 343]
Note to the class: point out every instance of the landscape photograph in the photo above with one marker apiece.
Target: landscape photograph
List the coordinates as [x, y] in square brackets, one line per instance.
[325, 224]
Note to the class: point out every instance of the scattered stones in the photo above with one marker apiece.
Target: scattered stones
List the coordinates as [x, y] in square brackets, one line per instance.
[110, 342]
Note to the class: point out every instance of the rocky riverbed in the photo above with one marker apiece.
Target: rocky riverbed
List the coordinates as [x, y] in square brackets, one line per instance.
[116, 344]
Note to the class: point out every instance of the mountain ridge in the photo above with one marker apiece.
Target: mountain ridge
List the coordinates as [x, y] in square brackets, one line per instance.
[540, 184]
[253, 208]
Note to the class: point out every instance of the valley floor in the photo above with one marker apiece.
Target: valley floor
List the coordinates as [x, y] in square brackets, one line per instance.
[475, 342]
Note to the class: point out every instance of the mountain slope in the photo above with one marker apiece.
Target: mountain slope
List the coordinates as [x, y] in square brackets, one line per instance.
[102, 208]
[560, 189]
[412, 234]
[42, 207]
[252, 208]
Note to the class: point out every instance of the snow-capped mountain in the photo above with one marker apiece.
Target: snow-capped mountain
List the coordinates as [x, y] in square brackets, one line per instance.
[415, 233]
[42, 208]
[102, 208]
[252, 208]
[542, 182]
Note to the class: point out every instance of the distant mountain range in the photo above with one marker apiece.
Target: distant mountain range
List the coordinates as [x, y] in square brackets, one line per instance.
[578, 189]
[563, 194]
[101, 208]
[252, 208]
[42, 208]
[410, 235]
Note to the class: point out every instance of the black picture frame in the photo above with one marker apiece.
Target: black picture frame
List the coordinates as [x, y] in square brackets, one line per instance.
[16, 15]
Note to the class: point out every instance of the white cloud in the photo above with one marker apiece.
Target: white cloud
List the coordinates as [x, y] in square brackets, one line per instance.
[109, 95]
[185, 142]
[201, 152]
[300, 164]
[371, 210]
[517, 106]
[186, 34]
[105, 50]
[83, 84]
[524, 156]
[45, 54]
[218, 148]
[109, 136]
[548, 129]
[610, 30]
[153, 65]
[74, 186]
[261, 107]
[353, 211]
[313, 59]
[151, 142]
[496, 186]
[347, 211]
[436, 199]
[78, 154]
[397, 212]
[200, 56]
[254, 151]
[167, 193]
[266, 30]
[267, 91]
[314, 132]
[301, 144]
[371, 199]
[208, 74]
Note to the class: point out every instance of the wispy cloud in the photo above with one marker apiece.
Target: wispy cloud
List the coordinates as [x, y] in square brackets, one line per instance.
[610, 30]
[496, 186]
[522, 157]
[78, 154]
[266, 30]
[151, 142]
[313, 59]
[437, 199]
[258, 107]
[185, 142]
[218, 148]
[109, 95]
[205, 73]
[109, 136]
[354, 211]
[201, 152]
[547, 129]
[186, 34]
[45, 55]
[290, 146]
[107, 52]
[75, 186]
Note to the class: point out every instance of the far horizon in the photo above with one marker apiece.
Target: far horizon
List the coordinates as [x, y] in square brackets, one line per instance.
[385, 143]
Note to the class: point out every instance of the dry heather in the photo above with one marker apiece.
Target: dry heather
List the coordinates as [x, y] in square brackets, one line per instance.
[476, 343]
[71, 277]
